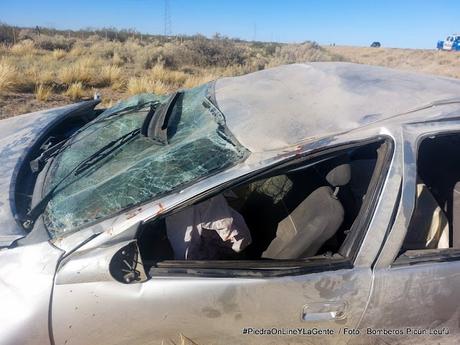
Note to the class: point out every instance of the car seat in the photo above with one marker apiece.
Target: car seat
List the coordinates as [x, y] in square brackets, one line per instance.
[313, 221]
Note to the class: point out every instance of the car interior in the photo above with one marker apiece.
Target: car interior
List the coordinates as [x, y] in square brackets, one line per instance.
[299, 213]
[435, 223]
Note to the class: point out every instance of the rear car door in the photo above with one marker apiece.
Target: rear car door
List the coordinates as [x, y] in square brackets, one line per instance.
[415, 293]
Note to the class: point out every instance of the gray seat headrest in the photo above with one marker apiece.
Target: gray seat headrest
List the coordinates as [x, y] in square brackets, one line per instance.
[339, 176]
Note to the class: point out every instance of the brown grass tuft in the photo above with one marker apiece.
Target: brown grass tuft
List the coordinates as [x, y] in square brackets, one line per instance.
[79, 71]
[111, 76]
[37, 75]
[24, 47]
[9, 77]
[145, 84]
[77, 50]
[59, 54]
[43, 92]
[117, 60]
[196, 80]
[173, 78]
[75, 91]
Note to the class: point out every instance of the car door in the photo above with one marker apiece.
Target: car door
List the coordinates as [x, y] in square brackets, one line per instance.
[102, 296]
[415, 296]
[309, 305]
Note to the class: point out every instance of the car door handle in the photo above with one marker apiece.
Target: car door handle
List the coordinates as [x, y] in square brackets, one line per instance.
[324, 311]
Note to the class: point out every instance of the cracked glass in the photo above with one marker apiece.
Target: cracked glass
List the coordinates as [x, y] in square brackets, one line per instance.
[199, 144]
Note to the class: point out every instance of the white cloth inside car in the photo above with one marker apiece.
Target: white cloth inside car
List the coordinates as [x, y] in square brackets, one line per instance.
[210, 230]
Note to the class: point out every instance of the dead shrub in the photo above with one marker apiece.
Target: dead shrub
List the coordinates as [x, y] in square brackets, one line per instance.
[306, 52]
[46, 42]
[203, 52]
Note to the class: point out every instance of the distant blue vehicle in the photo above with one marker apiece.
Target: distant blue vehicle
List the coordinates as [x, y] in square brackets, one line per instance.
[451, 43]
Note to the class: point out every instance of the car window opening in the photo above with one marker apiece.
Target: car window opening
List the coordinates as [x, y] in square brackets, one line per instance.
[304, 212]
[435, 222]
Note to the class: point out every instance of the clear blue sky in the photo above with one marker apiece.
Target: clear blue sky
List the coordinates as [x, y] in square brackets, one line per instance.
[395, 23]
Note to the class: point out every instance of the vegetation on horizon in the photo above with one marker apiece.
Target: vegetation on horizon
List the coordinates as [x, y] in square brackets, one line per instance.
[50, 67]
[41, 68]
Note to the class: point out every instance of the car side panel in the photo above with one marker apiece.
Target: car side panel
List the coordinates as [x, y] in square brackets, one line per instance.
[422, 297]
[207, 310]
[26, 283]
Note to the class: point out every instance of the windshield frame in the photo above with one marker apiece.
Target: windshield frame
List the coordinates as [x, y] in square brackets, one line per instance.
[47, 173]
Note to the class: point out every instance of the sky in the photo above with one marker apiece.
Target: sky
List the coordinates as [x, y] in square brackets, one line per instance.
[394, 23]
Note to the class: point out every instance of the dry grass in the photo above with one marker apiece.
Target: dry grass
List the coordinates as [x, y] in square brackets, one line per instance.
[79, 71]
[75, 91]
[417, 60]
[24, 47]
[146, 84]
[174, 78]
[77, 51]
[59, 54]
[41, 65]
[50, 69]
[111, 76]
[37, 75]
[196, 80]
[43, 92]
[9, 77]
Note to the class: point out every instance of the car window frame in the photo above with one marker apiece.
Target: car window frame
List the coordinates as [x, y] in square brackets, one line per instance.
[424, 256]
[275, 268]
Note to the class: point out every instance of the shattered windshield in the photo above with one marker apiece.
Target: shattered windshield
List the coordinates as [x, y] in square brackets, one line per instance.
[140, 170]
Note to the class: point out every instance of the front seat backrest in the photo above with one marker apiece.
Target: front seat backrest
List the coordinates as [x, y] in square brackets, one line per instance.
[312, 222]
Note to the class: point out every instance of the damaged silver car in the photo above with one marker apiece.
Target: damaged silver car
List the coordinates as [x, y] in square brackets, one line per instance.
[309, 203]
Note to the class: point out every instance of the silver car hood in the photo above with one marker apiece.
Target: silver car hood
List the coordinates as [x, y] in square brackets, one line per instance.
[17, 136]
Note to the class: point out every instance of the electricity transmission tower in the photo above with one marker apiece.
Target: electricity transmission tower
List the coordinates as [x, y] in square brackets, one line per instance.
[167, 19]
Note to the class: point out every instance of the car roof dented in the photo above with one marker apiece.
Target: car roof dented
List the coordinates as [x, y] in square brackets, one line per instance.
[279, 107]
